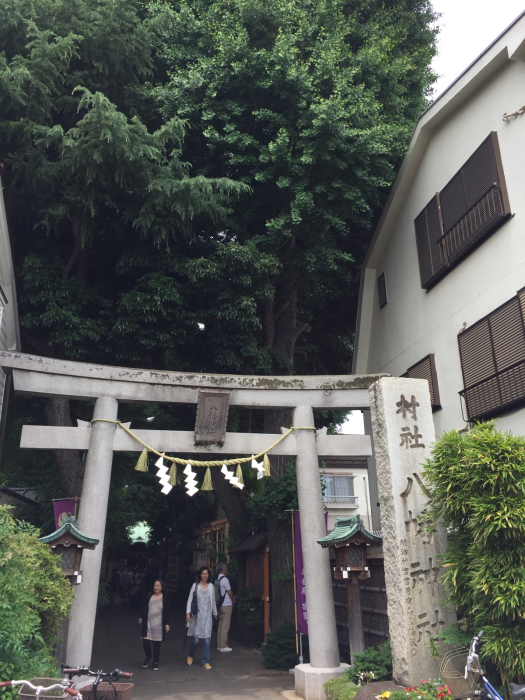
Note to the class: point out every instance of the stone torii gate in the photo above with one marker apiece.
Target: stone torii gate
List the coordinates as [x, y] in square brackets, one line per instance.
[107, 386]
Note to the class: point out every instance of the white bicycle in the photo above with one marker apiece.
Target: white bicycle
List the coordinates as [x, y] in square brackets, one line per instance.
[40, 689]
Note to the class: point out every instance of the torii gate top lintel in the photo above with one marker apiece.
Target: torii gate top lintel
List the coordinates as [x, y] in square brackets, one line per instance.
[33, 374]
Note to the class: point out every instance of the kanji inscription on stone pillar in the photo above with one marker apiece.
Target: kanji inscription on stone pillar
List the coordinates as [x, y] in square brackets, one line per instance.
[403, 431]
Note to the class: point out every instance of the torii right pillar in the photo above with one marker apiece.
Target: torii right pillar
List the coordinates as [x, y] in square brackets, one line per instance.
[403, 434]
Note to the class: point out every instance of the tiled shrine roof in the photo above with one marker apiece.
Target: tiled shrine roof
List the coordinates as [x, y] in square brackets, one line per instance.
[349, 528]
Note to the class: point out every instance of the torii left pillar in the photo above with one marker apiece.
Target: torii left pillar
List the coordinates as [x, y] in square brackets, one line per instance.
[92, 519]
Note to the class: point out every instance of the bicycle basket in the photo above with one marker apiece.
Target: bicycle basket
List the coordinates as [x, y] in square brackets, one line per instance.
[108, 691]
[452, 670]
[27, 693]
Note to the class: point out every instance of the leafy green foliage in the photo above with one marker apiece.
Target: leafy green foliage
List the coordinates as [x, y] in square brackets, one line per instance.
[426, 690]
[277, 495]
[340, 688]
[251, 614]
[311, 104]
[378, 661]
[34, 598]
[476, 487]
[191, 184]
[280, 651]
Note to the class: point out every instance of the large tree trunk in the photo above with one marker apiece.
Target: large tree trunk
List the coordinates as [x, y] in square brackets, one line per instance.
[234, 506]
[281, 333]
[280, 534]
[69, 463]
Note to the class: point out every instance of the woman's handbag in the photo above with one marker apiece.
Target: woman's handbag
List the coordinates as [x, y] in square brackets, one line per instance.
[194, 606]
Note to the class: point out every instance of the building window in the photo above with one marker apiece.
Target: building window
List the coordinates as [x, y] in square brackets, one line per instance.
[339, 491]
[492, 353]
[468, 209]
[381, 289]
[426, 369]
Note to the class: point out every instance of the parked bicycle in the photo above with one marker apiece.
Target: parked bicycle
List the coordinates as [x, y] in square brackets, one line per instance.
[109, 691]
[39, 689]
[461, 670]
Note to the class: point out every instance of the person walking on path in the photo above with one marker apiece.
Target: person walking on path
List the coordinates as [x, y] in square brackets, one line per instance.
[226, 607]
[201, 623]
[155, 623]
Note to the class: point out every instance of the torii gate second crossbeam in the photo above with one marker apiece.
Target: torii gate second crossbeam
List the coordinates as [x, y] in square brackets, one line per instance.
[42, 376]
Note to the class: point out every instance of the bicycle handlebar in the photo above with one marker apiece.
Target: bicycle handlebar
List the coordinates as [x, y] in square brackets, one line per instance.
[85, 671]
[8, 684]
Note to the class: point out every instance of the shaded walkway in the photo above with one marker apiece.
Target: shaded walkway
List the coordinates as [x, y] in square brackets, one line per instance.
[234, 676]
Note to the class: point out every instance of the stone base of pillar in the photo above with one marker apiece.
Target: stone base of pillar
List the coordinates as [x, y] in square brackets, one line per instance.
[309, 681]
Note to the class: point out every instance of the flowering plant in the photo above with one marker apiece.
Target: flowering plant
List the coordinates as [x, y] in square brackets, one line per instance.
[426, 690]
[365, 677]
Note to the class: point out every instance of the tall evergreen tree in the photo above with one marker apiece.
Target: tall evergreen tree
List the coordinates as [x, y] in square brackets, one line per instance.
[191, 183]
[311, 104]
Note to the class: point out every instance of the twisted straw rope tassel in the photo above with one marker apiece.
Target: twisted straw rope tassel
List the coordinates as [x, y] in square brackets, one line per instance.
[195, 462]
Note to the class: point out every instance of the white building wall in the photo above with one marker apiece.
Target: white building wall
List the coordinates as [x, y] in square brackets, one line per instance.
[360, 481]
[414, 322]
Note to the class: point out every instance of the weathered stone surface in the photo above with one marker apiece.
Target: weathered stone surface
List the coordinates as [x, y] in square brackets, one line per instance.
[47, 365]
[92, 522]
[44, 437]
[322, 632]
[403, 435]
[309, 681]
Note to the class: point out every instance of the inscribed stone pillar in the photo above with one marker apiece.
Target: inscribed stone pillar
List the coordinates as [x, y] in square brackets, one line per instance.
[322, 631]
[92, 521]
[403, 433]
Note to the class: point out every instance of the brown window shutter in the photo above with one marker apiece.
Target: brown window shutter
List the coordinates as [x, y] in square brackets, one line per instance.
[472, 205]
[480, 172]
[506, 329]
[453, 201]
[492, 356]
[381, 290]
[475, 202]
[475, 349]
[430, 250]
[426, 369]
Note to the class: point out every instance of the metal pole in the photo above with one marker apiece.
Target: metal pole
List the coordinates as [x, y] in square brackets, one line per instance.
[294, 584]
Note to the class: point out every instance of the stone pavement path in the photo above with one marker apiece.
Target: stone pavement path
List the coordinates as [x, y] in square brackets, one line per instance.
[238, 675]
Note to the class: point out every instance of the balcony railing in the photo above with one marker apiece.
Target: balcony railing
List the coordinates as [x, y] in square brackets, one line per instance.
[496, 394]
[478, 222]
[342, 501]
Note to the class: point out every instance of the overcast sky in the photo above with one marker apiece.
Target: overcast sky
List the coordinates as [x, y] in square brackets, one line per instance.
[467, 28]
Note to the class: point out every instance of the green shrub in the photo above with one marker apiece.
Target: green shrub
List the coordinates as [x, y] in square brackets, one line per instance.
[476, 489]
[34, 597]
[279, 651]
[340, 688]
[379, 661]
[250, 609]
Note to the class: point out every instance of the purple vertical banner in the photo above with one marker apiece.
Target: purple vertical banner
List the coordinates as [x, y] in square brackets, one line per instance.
[300, 600]
[63, 507]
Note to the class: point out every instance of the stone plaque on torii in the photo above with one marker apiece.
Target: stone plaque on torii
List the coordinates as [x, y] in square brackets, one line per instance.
[108, 386]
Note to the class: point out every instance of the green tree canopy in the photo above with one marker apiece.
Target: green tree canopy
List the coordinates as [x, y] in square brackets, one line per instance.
[191, 183]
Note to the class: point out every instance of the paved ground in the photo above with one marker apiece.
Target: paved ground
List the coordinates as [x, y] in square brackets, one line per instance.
[239, 675]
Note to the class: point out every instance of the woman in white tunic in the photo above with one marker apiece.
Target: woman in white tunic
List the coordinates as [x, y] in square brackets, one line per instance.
[201, 624]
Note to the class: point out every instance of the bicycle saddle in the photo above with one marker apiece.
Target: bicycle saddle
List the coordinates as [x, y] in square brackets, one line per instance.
[516, 691]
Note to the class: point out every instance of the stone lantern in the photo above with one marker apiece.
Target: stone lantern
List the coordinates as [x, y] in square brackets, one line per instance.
[351, 539]
[68, 542]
